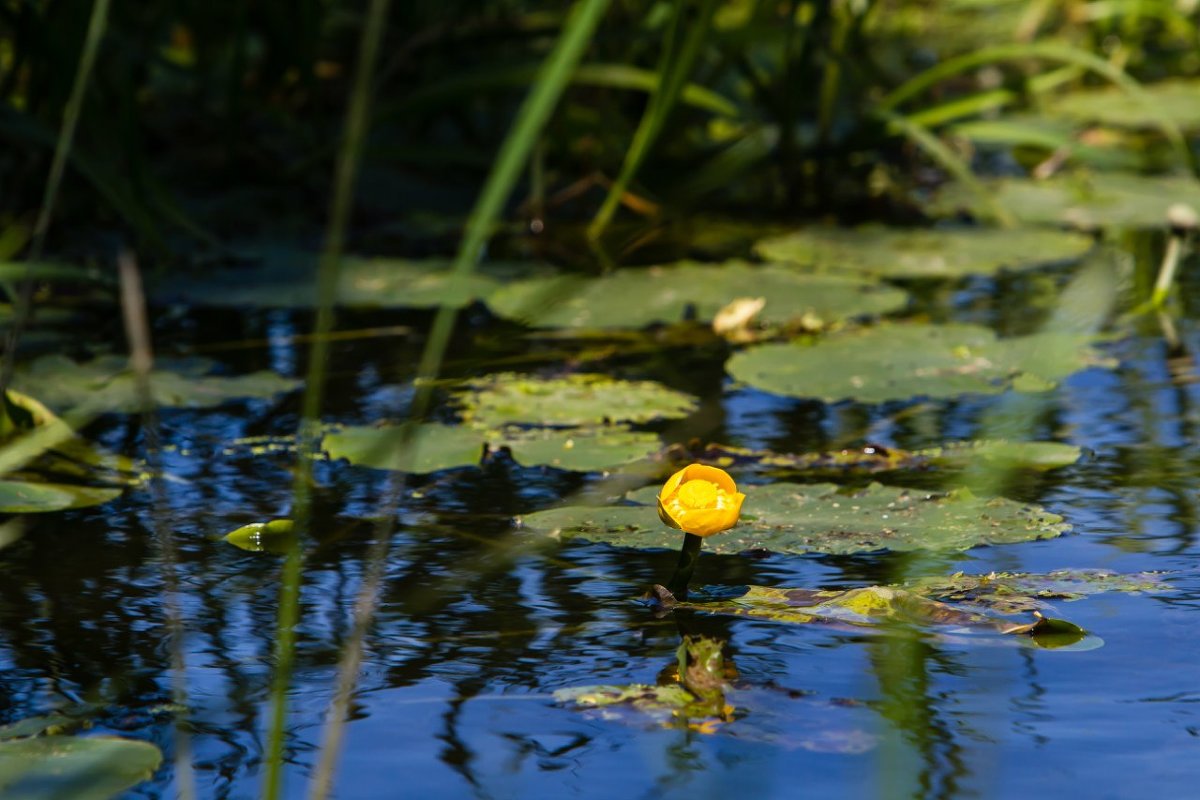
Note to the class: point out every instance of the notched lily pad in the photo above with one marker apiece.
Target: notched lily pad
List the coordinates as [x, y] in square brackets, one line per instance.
[429, 447]
[820, 518]
[1022, 592]
[924, 253]
[897, 362]
[91, 768]
[105, 384]
[636, 297]
[578, 449]
[1109, 199]
[509, 398]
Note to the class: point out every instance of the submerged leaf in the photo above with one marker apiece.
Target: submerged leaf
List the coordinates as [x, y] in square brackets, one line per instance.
[636, 297]
[509, 398]
[92, 768]
[1021, 592]
[820, 518]
[1110, 199]
[105, 384]
[924, 253]
[897, 362]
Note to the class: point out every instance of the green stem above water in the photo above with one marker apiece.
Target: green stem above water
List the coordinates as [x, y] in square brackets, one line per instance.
[688, 556]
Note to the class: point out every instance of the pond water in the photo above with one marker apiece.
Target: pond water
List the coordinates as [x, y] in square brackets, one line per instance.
[479, 624]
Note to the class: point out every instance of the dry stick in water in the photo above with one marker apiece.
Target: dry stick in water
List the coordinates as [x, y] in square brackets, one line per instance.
[141, 361]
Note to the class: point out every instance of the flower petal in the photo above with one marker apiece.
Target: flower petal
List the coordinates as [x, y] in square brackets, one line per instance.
[703, 472]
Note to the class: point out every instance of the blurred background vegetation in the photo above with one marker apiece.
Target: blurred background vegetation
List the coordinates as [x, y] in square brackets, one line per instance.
[217, 121]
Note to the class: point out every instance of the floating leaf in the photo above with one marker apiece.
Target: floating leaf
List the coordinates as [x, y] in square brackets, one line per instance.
[30, 497]
[105, 384]
[636, 297]
[897, 362]
[92, 768]
[924, 253]
[1108, 199]
[263, 537]
[1175, 100]
[428, 448]
[287, 279]
[508, 398]
[820, 518]
[579, 449]
[876, 458]
[1020, 592]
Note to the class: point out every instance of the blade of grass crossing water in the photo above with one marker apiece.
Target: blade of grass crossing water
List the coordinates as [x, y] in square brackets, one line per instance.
[357, 121]
[514, 153]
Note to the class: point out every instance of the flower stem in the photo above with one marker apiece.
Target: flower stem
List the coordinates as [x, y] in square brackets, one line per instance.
[689, 554]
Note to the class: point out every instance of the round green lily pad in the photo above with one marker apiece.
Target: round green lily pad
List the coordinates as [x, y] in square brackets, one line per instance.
[429, 448]
[1112, 199]
[508, 398]
[579, 449]
[81, 768]
[819, 518]
[924, 253]
[636, 297]
[896, 362]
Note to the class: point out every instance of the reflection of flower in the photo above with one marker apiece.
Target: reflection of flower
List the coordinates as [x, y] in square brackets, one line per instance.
[701, 500]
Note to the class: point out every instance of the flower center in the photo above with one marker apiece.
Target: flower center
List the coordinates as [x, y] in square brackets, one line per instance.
[699, 494]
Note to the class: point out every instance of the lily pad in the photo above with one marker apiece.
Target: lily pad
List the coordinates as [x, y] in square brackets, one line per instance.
[876, 458]
[92, 768]
[897, 362]
[428, 448]
[579, 449]
[924, 253]
[287, 279]
[636, 297]
[509, 398]
[1110, 199]
[821, 518]
[105, 384]
[1176, 100]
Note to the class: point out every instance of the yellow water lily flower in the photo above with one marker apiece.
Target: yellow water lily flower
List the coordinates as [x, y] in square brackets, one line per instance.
[701, 500]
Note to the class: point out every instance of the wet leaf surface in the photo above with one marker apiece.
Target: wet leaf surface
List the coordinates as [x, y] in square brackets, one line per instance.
[263, 537]
[578, 449]
[636, 297]
[509, 398]
[819, 518]
[105, 384]
[897, 362]
[428, 448]
[59, 767]
[924, 253]
[28, 497]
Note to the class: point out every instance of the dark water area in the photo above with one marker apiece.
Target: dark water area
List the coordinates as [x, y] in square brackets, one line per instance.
[478, 625]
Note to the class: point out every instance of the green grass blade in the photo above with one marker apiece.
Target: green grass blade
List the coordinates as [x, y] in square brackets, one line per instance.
[943, 155]
[349, 158]
[1050, 51]
[674, 71]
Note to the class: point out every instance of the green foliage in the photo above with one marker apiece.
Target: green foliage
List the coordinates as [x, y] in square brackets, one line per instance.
[580, 399]
[92, 768]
